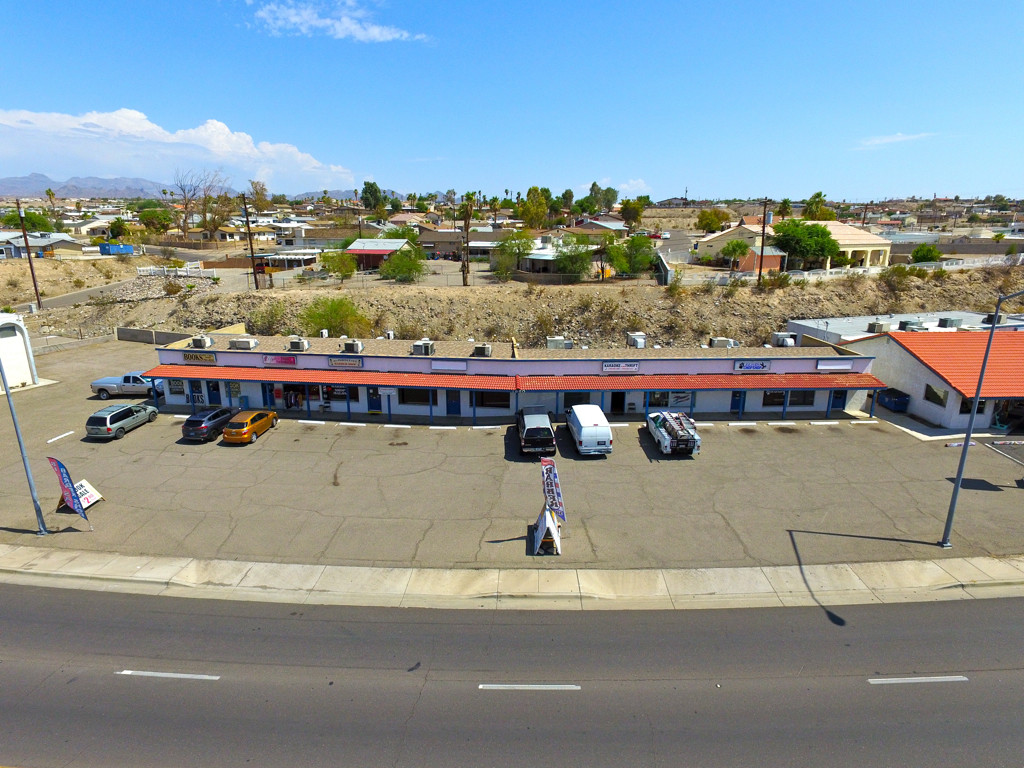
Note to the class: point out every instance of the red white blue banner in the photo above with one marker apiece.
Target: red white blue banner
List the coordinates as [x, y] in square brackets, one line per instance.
[67, 487]
[552, 488]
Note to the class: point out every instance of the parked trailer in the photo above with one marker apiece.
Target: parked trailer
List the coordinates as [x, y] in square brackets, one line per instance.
[674, 432]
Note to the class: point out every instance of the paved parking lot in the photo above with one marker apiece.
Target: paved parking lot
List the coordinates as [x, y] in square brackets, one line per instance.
[340, 494]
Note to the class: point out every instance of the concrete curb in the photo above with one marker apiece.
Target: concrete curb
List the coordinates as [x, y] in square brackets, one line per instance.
[519, 589]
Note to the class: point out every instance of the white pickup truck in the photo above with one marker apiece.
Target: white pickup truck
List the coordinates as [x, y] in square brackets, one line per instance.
[130, 383]
[674, 432]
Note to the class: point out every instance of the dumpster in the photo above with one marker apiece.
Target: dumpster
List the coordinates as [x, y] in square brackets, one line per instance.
[894, 400]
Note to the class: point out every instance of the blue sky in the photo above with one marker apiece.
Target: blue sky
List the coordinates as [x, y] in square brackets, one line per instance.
[867, 100]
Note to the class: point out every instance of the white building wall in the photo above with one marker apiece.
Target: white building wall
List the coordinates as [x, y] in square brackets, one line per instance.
[16, 352]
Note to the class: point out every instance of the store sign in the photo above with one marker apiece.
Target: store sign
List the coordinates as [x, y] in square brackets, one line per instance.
[345, 362]
[679, 399]
[387, 391]
[752, 365]
[176, 386]
[279, 359]
[619, 367]
[202, 358]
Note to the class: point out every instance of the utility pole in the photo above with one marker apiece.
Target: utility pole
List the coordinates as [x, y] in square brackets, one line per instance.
[248, 234]
[764, 227]
[28, 253]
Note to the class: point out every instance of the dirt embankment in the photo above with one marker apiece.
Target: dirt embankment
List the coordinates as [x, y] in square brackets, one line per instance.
[596, 315]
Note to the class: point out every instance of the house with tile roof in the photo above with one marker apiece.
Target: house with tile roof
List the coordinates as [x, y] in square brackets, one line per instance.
[939, 373]
[863, 248]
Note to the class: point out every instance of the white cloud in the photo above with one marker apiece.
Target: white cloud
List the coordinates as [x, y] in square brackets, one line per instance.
[634, 187]
[346, 19]
[881, 141]
[127, 143]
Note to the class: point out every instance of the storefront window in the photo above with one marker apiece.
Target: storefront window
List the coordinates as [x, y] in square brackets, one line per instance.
[797, 398]
[966, 402]
[490, 399]
[935, 395]
[417, 397]
[658, 399]
[176, 386]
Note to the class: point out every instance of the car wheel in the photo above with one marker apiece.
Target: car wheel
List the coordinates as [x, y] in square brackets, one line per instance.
[119, 433]
[152, 416]
[252, 438]
[274, 422]
[103, 394]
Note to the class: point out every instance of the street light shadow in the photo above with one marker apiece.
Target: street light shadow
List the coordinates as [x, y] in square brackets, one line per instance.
[895, 539]
[831, 615]
[976, 484]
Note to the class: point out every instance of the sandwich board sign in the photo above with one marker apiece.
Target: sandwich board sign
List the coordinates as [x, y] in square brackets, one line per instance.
[547, 533]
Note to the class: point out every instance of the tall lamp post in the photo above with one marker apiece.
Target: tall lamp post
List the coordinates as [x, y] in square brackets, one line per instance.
[28, 253]
[944, 542]
[42, 530]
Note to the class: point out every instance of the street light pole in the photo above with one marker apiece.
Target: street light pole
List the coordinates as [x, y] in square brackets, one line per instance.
[944, 542]
[42, 530]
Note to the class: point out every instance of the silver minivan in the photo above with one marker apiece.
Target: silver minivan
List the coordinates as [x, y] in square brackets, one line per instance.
[114, 420]
[590, 430]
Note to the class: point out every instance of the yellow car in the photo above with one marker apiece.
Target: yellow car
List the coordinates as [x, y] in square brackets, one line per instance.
[246, 426]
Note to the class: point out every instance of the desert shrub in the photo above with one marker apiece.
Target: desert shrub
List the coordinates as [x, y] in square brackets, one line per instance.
[171, 288]
[123, 258]
[7, 309]
[919, 272]
[733, 286]
[801, 283]
[78, 282]
[585, 302]
[407, 329]
[940, 275]
[268, 320]
[774, 280]
[853, 280]
[543, 326]
[896, 278]
[707, 288]
[674, 290]
[335, 313]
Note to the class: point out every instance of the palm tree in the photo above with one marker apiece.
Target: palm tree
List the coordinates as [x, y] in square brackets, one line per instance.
[785, 208]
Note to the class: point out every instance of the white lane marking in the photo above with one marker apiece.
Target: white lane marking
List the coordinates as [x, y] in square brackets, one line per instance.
[824, 423]
[175, 675]
[351, 424]
[621, 424]
[58, 437]
[527, 687]
[704, 424]
[397, 426]
[863, 421]
[311, 421]
[742, 423]
[902, 680]
[490, 426]
[444, 427]
[781, 423]
[180, 416]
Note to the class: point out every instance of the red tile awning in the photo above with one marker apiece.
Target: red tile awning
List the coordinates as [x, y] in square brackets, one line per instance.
[650, 383]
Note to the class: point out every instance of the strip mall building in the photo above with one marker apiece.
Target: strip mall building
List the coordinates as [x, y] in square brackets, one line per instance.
[465, 381]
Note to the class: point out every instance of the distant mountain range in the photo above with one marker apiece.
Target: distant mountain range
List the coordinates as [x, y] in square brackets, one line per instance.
[36, 184]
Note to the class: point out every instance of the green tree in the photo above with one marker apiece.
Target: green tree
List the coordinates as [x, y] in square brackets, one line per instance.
[808, 246]
[999, 236]
[633, 258]
[214, 212]
[279, 199]
[816, 210]
[609, 197]
[371, 198]
[118, 229]
[407, 232]
[534, 211]
[511, 250]
[711, 219]
[785, 208]
[734, 251]
[567, 198]
[925, 252]
[338, 263]
[335, 313]
[395, 205]
[34, 222]
[257, 196]
[405, 266]
[632, 212]
[156, 219]
[574, 256]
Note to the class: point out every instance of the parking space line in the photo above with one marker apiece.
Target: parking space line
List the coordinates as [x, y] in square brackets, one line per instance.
[742, 423]
[398, 426]
[903, 680]
[490, 426]
[351, 424]
[172, 675]
[58, 437]
[180, 416]
[824, 423]
[444, 427]
[781, 423]
[311, 421]
[863, 421]
[528, 687]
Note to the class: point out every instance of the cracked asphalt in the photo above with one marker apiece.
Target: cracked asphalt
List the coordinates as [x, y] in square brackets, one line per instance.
[379, 495]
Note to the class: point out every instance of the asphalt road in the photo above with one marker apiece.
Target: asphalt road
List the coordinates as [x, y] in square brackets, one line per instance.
[226, 684]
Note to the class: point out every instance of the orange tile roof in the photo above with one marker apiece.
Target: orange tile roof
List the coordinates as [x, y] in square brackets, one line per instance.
[957, 357]
[652, 382]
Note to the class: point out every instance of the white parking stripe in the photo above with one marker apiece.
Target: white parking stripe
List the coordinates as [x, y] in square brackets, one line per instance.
[490, 426]
[310, 421]
[397, 426]
[824, 423]
[903, 680]
[444, 427]
[351, 424]
[58, 437]
[527, 687]
[742, 423]
[863, 421]
[175, 675]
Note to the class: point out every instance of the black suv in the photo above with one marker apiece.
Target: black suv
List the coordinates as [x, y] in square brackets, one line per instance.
[206, 424]
[535, 432]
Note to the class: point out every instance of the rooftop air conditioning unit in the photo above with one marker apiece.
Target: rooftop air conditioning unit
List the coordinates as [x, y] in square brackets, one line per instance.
[779, 339]
[950, 322]
[988, 319]
[482, 350]
[297, 344]
[425, 347]
[353, 345]
[324, 333]
[389, 334]
[878, 327]
[556, 342]
[717, 342]
[636, 339]
[906, 325]
[243, 343]
[202, 342]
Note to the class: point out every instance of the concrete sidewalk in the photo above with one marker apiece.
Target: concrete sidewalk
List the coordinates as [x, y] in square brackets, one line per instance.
[520, 589]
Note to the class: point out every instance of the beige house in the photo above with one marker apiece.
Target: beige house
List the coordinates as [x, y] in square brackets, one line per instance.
[860, 246]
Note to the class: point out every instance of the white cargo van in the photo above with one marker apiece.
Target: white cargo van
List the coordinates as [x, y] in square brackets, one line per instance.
[590, 430]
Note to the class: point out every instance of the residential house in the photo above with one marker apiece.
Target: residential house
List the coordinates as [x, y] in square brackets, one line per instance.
[370, 253]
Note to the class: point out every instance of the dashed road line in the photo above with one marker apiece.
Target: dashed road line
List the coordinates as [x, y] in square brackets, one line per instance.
[906, 680]
[173, 675]
[528, 687]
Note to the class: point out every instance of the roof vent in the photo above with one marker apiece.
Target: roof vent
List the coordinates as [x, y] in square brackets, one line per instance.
[636, 339]
[878, 327]
[482, 350]
[353, 345]
[950, 322]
